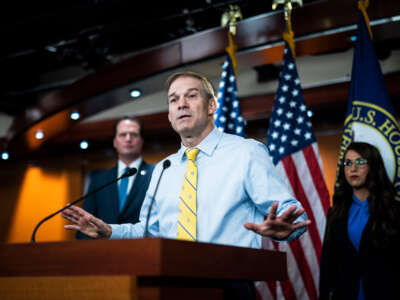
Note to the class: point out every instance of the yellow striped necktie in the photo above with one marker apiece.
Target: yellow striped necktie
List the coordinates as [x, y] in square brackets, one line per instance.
[187, 226]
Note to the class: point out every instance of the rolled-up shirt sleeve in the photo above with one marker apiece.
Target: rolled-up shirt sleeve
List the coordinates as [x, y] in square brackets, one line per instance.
[265, 186]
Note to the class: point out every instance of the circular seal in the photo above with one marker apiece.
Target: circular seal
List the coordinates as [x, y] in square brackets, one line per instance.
[374, 125]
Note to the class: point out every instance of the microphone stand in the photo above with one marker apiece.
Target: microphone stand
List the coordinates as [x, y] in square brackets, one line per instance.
[166, 165]
[128, 173]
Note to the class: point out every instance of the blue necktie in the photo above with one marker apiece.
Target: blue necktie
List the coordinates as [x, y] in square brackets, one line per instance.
[123, 187]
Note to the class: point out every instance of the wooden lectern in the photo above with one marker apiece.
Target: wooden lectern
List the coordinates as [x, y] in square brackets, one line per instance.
[151, 268]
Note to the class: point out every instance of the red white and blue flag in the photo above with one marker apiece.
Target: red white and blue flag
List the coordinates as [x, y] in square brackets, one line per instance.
[294, 151]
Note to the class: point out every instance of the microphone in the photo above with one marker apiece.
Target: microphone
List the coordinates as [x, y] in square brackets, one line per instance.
[165, 165]
[128, 173]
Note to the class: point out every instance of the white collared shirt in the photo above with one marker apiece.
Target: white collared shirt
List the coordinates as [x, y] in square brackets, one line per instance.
[121, 168]
[236, 182]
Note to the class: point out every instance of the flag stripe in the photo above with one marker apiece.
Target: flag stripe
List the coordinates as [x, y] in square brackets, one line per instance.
[267, 290]
[316, 171]
[287, 288]
[312, 195]
[294, 151]
[272, 288]
[294, 179]
[293, 287]
[298, 252]
[264, 290]
[311, 256]
[307, 182]
[304, 269]
[279, 292]
[287, 291]
[310, 253]
[319, 160]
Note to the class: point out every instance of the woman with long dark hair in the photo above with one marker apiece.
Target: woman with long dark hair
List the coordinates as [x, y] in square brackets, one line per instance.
[361, 249]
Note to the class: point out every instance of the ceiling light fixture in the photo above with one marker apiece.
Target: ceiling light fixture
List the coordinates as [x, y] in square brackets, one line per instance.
[75, 115]
[51, 48]
[5, 155]
[135, 93]
[39, 135]
[84, 145]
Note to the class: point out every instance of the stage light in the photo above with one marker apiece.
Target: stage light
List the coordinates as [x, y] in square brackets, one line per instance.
[309, 113]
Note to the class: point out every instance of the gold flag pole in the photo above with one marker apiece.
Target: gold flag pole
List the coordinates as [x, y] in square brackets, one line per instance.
[288, 34]
[362, 5]
[229, 18]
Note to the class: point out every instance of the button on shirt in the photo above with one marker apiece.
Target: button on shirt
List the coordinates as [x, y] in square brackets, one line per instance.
[236, 183]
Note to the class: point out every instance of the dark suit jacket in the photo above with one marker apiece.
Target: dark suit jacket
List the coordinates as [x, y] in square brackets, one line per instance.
[342, 266]
[105, 203]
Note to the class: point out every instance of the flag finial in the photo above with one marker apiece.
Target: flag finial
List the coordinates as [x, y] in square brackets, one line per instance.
[288, 35]
[230, 17]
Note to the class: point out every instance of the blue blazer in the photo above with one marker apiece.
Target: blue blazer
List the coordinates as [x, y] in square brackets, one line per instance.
[105, 203]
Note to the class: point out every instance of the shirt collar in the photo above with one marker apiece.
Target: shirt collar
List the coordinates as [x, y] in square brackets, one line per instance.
[207, 145]
[135, 164]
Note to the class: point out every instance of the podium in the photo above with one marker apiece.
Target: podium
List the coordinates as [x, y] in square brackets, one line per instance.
[143, 269]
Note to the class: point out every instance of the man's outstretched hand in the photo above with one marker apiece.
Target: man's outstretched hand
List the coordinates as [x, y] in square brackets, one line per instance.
[86, 223]
[281, 227]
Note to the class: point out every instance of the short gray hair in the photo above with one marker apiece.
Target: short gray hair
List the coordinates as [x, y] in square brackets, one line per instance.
[206, 85]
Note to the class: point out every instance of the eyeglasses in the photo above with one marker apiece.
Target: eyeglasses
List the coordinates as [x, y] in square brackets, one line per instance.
[359, 162]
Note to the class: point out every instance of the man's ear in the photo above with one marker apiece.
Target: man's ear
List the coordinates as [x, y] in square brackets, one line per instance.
[212, 106]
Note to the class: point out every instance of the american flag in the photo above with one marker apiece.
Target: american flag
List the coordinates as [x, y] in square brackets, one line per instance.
[228, 117]
[294, 151]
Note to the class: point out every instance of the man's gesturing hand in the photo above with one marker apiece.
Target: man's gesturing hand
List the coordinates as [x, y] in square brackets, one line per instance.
[279, 227]
[86, 223]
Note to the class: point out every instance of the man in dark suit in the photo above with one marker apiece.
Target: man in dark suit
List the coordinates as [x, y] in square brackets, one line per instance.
[121, 202]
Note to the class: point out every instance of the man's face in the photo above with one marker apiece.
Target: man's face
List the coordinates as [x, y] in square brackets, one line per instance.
[189, 112]
[127, 141]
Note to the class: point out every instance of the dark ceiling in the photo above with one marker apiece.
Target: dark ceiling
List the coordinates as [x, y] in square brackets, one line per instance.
[40, 37]
[56, 56]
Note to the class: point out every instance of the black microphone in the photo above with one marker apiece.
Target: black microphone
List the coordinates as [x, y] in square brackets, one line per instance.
[165, 165]
[128, 173]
